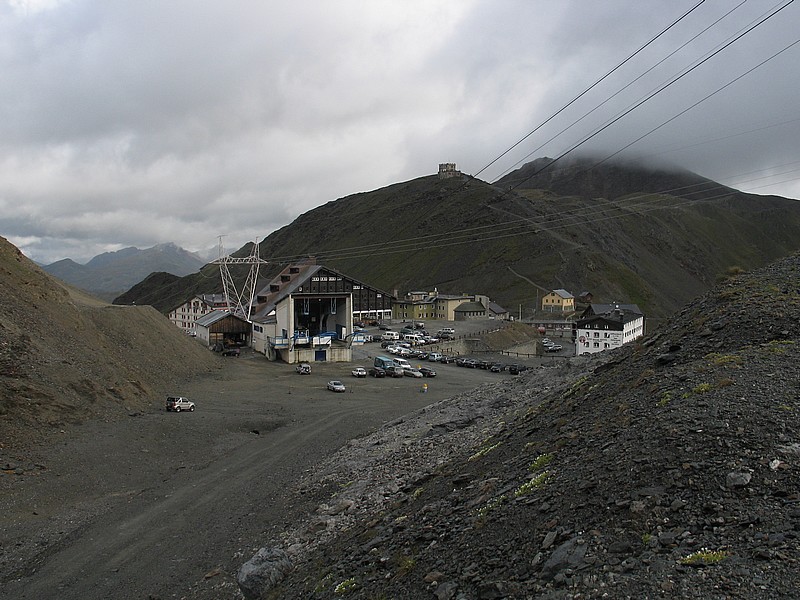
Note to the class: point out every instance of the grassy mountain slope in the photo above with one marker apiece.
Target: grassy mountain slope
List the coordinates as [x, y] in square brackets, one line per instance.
[658, 247]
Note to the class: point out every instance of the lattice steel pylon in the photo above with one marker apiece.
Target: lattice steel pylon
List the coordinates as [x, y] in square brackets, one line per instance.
[235, 300]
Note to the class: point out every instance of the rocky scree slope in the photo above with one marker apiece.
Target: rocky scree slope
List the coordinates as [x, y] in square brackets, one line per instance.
[668, 468]
[66, 356]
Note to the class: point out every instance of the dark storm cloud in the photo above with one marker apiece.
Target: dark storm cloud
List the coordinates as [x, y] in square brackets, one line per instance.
[134, 123]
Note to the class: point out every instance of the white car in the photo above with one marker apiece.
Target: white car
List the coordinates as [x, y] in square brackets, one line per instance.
[336, 386]
[178, 403]
[359, 372]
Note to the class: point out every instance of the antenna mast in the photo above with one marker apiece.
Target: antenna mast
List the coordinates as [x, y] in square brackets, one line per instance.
[239, 304]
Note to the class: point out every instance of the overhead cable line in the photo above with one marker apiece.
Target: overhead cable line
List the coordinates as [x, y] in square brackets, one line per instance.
[622, 89]
[656, 92]
[591, 87]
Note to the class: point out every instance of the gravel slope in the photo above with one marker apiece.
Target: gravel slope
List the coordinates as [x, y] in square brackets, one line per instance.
[671, 469]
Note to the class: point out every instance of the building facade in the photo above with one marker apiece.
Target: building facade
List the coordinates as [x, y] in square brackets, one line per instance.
[599, 331]
[306, 312]
[185, 315]
[558, 301]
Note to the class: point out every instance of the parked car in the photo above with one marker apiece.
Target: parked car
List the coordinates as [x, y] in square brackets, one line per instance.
[377, 372]
[497, 368]
[179, 403]
[359, 372]
[395, 371]
[412, 373]
[336, 386]
[517, 369]
[303, 369]
[553, 348]
[434, 357]
[231, 352]
[446, 359]
[427, 372]
[384, 327]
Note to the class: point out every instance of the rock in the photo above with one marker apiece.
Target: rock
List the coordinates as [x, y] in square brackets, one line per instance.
[738, 479]
[446, 591]
[568, 555]
[262, 572]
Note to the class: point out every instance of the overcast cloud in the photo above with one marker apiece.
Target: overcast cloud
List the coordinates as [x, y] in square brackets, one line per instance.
[136, 123]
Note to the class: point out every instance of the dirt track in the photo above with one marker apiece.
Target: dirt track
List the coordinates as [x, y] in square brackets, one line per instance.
[153, 506]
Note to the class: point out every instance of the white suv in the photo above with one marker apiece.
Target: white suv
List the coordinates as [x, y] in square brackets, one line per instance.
[178, 403]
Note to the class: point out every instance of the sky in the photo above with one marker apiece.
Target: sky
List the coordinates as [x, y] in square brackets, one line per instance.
[134, 123]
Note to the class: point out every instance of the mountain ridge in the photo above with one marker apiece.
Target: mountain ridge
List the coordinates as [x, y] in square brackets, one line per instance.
[645, 245]
[109, 274]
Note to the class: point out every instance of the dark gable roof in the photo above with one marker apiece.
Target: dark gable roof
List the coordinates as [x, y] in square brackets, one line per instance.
[470, 307]
[599, 309]
[497, 309]
[563, 293]
[614, 319]
[298, 275]
[215, 316]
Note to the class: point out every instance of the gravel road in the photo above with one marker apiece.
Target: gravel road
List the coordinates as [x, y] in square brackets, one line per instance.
[155, 505]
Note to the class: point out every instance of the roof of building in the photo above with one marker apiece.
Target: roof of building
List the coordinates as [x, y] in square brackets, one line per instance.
[215, 316]
[495, 308]
[599, 309]
[470, 307]
[289, 281]
[616, 316]
[563, 293]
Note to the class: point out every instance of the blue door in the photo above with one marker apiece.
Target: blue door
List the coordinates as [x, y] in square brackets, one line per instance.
[320, 355]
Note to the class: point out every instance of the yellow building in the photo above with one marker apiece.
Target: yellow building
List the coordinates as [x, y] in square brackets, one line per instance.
[558, 301]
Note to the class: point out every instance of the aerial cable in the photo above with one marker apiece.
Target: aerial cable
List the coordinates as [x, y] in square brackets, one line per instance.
[687, 109]
[595, 84]
[655, 93]
[622, 89]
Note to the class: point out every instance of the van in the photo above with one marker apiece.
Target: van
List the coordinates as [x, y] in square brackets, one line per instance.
[414, 338]
[449, 330]
[384, 362]
[402, 363]
[390, 335]
[303, 369]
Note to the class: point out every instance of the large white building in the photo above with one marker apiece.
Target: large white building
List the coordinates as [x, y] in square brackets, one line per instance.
[185, 315]
[608, 326]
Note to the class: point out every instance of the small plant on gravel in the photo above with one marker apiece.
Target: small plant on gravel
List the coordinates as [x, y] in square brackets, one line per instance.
[417, 492]
[345, 587]
[483, 451]
[646, 537]
[704, 557]
[533, 484]
[779, 346]
[665, 399]
[324, 583]
[700, 388]
[491, 505]
[717, 359]
[540, 461]
[406, 564]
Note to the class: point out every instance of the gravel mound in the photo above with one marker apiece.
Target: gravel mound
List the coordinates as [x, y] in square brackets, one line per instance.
[668, 468]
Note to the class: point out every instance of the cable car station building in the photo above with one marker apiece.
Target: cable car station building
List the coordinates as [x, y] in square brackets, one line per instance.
[305, 314]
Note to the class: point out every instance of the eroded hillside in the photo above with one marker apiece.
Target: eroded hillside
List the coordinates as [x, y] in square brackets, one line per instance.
[65, 356]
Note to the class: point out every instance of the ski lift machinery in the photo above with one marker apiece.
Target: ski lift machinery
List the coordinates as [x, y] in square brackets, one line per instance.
[239, 303]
